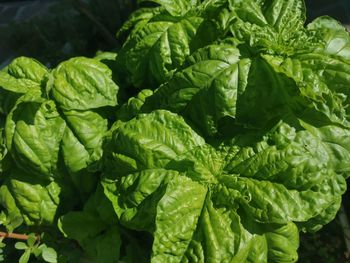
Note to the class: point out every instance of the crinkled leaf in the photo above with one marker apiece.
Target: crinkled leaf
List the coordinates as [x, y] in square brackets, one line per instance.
[177, 218]
[148, 188]
[82, 84]
[266, 200]
[34, 130]
[40, 138]
[282, 242]
[275, 26]
[152, 52]
[321, 81]
[22, 75]
[36, 200]
[326, 216]
[335, 36]
[138, 19]
[160, 143]
[285, 177]
[83, 138]
[133, 106]
[206, 89]
[286, 17]
[336, 141]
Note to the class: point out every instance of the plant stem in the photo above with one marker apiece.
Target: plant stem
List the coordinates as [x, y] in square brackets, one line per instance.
[16, 236]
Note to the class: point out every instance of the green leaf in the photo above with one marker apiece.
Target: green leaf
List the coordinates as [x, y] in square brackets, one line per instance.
[95, 228]
[217, 236]
[41, 138]
[104, 247]
[161, 143]
[282, 242]
[302, 205]
[14, 218]
[326, 216]
[3, 218]
[37, 250]
[101, 56]
[20, 76]
[336, 142]
[34, 130]
[235, 203]
[31, 240]
[335, 36]
[25, 257]
[321, 86]
[49, 255]
[212, 76]
[138, 19]
[80, 225]
[177, 217]
[133, 106]
[82, 141]
[21, 246]
[34, 200]
[285, 17]
[177, 7]
[154, 50]
[26, 68]
[82, 84]
[273, 26]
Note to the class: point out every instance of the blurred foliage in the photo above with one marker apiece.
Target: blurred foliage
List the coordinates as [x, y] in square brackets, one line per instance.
[324, 246]
[69, 28]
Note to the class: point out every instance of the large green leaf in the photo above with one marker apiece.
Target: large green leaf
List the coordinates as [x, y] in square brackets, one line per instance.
[20, 76]
[177, 218]
[82, 84]
[34, 130]
[52, 143]
[160, 42]
[33, 199]
[322, 83]
[160, 143]
[206, 89]
[235, 204]
[153, 51]
[335, 37]
[216, 86]
[282, 242]
[270, 25]
[83, 139]
[138, 19]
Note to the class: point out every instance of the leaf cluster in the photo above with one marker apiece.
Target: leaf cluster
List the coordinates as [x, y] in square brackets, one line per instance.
[218, 132]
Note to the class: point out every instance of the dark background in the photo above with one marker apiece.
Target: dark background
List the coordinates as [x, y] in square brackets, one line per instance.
[54, 30]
